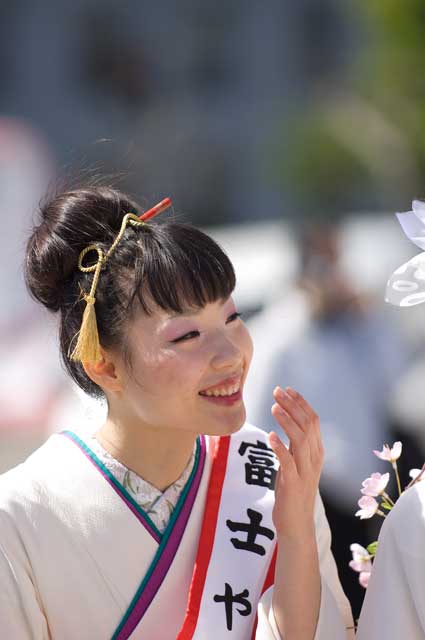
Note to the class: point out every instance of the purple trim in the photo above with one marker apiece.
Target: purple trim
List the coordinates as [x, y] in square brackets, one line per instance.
[99, 467]
[166, 552]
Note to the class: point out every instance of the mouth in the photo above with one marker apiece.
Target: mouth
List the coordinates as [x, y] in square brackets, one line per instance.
[228, 392]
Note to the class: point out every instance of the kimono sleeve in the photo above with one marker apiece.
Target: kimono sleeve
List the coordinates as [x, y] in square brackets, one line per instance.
[335, 618]
[21, 615]
[394, 605]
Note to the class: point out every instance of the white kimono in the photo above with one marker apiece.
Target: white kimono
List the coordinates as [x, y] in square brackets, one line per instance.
[394, 605]
[80, 559]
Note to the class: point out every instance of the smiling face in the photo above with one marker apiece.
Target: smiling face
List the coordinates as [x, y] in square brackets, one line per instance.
[188, 370]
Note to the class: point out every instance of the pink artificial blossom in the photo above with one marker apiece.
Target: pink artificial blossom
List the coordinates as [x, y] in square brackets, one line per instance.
[368, 507]
[375, 485]
[364, 578]
[361, 558]
[390, 455]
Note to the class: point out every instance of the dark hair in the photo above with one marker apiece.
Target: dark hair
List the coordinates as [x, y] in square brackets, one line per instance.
[173, 265]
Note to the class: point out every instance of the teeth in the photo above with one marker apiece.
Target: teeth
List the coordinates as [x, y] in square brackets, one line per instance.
[223, 391]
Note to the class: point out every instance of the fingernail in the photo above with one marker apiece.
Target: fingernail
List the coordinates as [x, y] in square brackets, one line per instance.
[279, 392]
[276, 408]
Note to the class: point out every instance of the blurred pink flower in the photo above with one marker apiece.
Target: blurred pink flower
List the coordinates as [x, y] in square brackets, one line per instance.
[364, 578]
[375, 485]
[361, 559]
[368, 507]
[391, 455]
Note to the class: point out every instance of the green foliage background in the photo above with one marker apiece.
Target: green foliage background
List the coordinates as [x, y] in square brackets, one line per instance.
[360, 144]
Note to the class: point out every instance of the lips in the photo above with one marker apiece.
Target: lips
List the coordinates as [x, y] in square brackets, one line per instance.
[228, 387]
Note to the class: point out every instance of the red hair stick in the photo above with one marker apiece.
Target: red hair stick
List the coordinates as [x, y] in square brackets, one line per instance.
[158, 208]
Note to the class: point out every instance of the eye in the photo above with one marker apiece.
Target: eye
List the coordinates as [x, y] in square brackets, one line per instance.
[233, 317]
[187, 336]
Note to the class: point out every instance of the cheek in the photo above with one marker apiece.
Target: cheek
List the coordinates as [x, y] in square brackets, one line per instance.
[246, 344]
[175, 373]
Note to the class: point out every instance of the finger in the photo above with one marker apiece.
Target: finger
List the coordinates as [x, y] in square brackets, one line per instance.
[299, 441]
[291, 406]
[317, 450]
[288, 424]
[278, 481]
[303, 414]
[286, 461]
[316, 444]
[302, 403]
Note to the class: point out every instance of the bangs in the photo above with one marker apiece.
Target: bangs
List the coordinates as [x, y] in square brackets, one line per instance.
[179, 267]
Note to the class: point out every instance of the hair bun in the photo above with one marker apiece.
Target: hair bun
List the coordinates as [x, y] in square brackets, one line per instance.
[68, 223]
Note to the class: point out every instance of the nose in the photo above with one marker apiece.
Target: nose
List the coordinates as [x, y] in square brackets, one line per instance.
[226, 354]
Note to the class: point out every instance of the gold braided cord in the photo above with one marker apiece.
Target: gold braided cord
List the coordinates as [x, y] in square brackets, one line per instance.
[97, 267]
[87, 348]
[128, 218]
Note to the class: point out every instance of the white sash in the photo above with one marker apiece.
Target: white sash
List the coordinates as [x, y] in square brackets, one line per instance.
[234, 565]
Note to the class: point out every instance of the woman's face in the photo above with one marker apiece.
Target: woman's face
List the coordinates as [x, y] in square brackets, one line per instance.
[188, 370]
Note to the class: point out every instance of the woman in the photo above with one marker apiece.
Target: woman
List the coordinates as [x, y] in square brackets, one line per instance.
[164, 523]
[394, 605]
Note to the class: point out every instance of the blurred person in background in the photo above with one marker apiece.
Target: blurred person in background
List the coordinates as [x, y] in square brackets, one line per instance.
[164, 522]
[337, 347]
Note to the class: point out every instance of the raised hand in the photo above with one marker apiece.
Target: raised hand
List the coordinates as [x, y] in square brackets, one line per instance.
[296, 592]
[300, 465]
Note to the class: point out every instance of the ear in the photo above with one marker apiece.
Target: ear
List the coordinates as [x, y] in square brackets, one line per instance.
[107, 372]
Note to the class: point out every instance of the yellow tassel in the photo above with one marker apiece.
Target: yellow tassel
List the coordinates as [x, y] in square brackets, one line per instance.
[87, 348]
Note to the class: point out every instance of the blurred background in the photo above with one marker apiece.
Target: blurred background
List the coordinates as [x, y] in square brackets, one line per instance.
[292, 132]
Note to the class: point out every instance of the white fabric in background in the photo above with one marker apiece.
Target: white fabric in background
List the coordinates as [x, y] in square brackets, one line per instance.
[394, 605]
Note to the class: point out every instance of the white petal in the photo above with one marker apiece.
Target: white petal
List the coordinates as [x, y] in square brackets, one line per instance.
[414, 227]
[418, 207]
[405, 288]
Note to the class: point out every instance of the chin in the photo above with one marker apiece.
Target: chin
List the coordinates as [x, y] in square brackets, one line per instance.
[225, 427]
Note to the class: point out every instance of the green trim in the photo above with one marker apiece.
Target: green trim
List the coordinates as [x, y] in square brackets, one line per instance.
[164, 540]
[115, 482]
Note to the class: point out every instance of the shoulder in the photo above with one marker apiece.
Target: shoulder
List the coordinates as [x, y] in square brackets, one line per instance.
[25, 484]
[410, 507]
[406, 521]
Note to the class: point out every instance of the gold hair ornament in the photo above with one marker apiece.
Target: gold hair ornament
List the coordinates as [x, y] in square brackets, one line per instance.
[87, 348]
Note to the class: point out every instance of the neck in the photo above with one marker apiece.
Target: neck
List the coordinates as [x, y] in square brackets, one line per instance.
[159, 456]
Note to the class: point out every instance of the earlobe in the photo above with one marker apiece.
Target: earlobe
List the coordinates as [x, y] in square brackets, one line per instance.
[104, 373]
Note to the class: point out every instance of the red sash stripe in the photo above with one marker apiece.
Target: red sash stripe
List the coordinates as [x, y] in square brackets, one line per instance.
[267, 583]
[206, 540]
